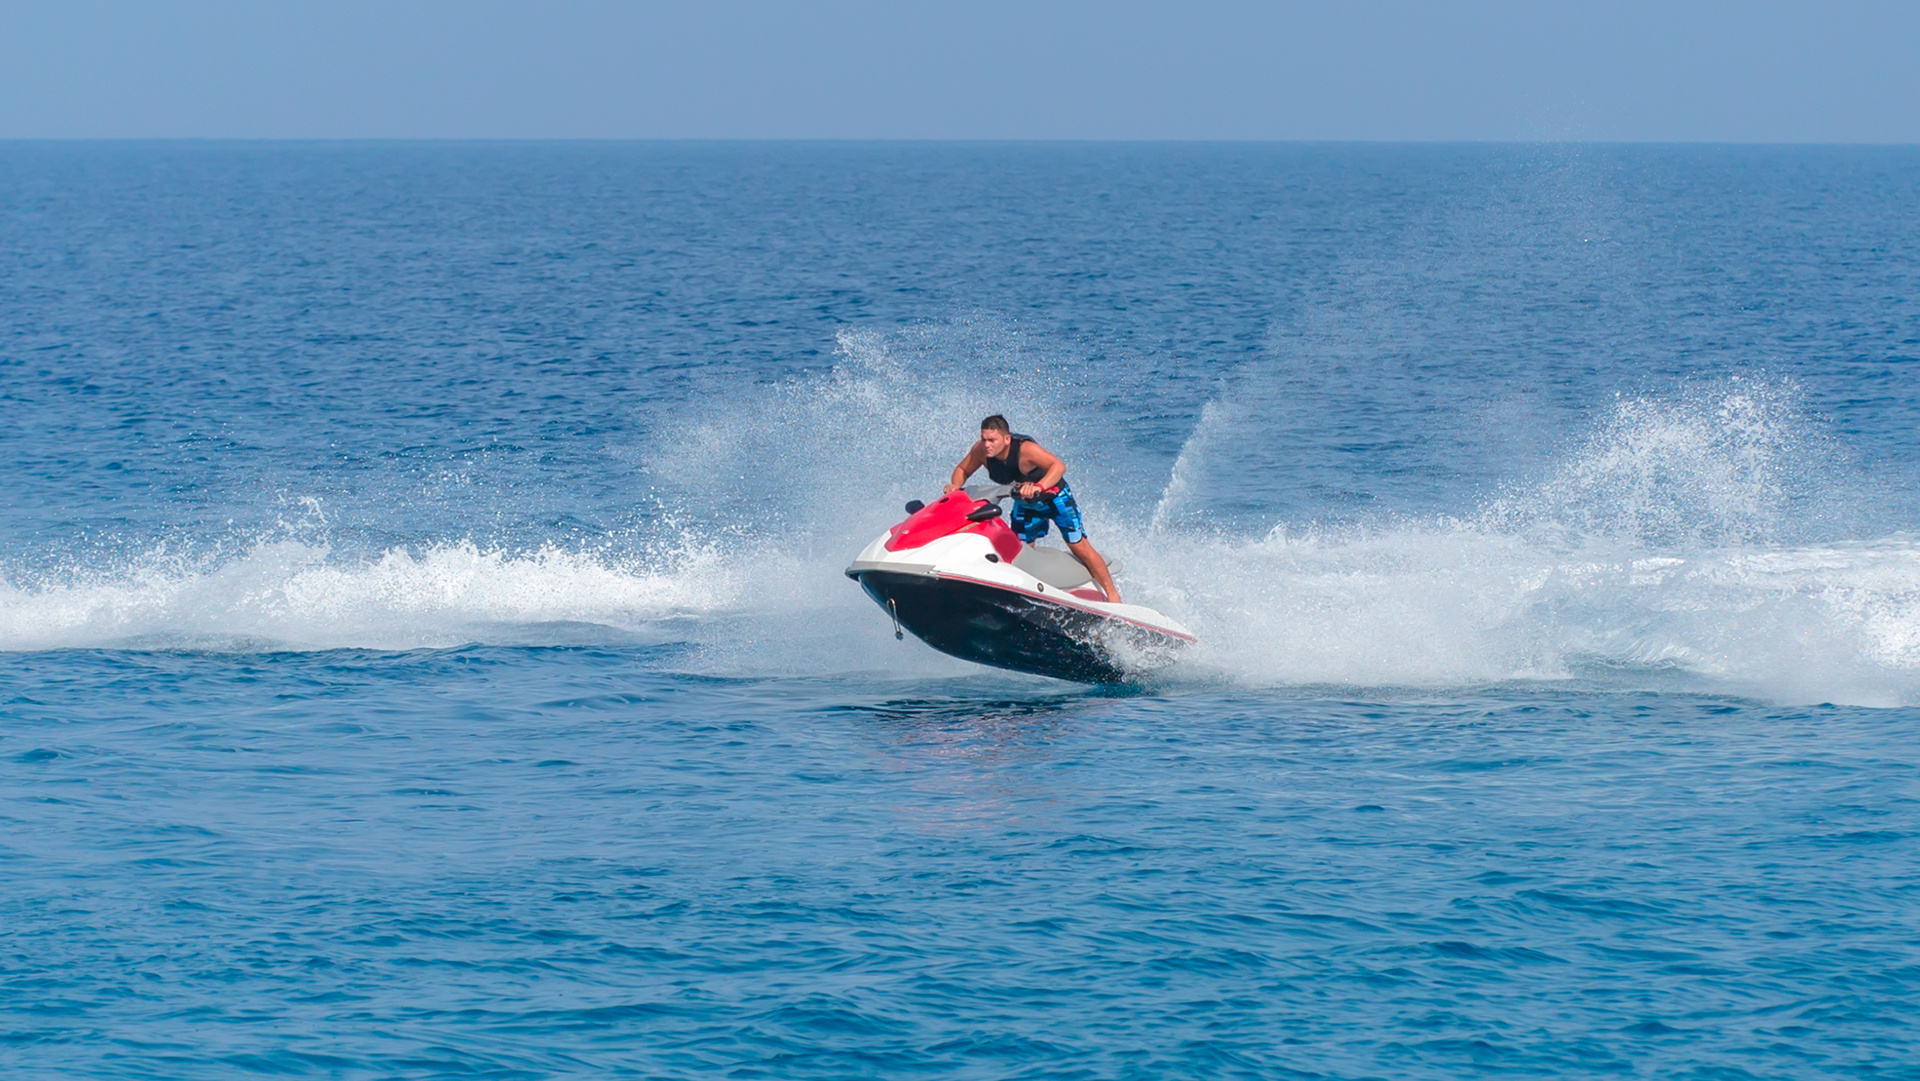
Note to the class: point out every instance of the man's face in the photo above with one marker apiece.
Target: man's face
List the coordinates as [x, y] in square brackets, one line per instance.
[996, 442]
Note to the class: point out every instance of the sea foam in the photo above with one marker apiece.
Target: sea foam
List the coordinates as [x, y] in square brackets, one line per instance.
[293, 595]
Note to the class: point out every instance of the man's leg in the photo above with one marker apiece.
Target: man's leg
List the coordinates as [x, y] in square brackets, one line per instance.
[1026, 525]
[1067, 514]
[1083, 551]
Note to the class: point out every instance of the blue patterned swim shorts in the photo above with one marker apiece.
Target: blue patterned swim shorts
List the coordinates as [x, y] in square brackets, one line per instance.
[1029, 520]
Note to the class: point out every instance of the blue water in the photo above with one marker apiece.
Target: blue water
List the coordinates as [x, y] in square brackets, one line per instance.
[424, 653]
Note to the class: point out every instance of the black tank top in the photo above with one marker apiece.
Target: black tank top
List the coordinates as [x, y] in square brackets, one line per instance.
[1008, 471]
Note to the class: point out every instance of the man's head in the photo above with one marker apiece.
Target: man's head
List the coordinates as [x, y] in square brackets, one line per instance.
[996, 435]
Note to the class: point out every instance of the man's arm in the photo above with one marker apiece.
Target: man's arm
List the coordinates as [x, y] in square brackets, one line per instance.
[1035, 456]
[975, 458]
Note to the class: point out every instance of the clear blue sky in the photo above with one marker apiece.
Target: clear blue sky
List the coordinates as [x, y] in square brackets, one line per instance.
[1761, 71]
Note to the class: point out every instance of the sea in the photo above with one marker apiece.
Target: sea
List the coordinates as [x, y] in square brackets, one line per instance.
[425, 652]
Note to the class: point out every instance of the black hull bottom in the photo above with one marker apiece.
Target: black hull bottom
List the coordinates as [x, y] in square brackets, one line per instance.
[1006, 630]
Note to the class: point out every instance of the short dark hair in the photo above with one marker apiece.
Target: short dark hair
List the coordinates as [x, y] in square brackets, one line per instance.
[995, 423]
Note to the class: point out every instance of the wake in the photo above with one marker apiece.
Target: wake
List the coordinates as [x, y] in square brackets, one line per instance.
[1696, 541]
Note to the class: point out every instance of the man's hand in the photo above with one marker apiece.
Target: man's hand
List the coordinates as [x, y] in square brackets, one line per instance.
[950, 487]
[1029, 491]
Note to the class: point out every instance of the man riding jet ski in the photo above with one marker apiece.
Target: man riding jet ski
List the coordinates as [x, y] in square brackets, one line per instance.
[957, 576]
[1039, 482]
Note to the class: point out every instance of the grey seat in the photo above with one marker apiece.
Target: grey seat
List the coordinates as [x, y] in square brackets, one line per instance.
[1053, 566]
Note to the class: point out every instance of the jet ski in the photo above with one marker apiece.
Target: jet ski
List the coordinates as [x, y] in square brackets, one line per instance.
[955, 575]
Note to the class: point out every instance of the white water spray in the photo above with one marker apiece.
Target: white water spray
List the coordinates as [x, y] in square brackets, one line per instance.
[1690, 542]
